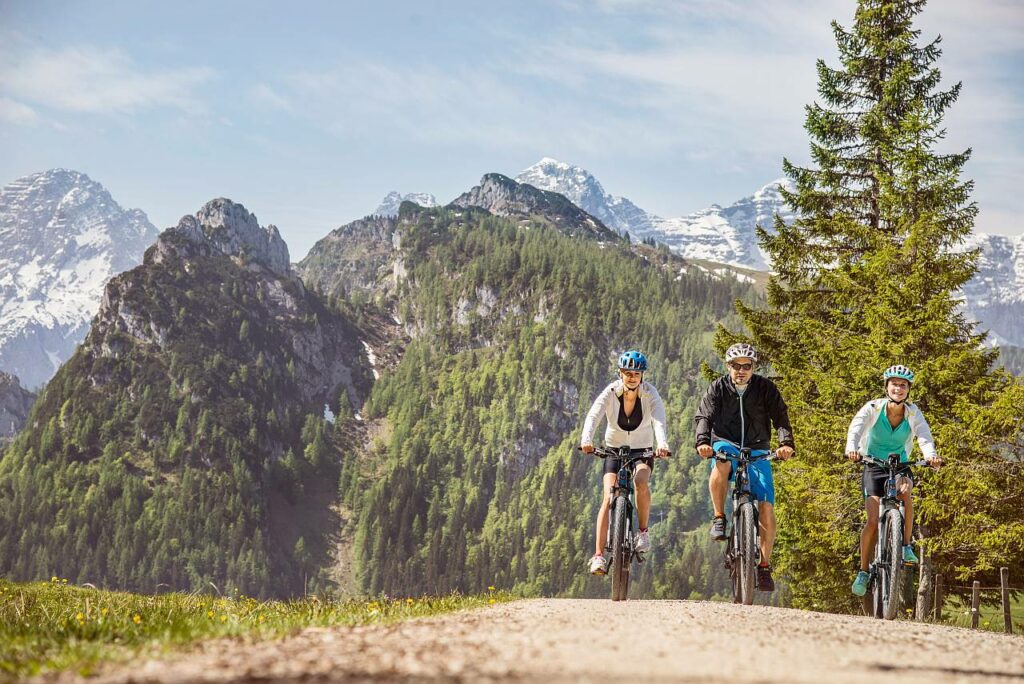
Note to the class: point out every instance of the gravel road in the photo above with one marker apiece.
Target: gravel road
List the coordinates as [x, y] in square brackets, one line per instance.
[579, 640]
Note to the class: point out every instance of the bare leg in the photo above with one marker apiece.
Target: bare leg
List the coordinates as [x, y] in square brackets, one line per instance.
[905, 490]
[869, 533]
[718, 485]
[641, 482]
[602, 514]
[768, 525]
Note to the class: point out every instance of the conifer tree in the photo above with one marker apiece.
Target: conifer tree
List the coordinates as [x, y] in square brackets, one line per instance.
[868, 276]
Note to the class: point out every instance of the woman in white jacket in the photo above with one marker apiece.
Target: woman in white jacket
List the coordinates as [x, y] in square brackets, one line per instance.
[636, 419]
[882, 427]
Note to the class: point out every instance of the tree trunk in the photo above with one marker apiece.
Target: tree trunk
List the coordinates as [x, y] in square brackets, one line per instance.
[925, 587]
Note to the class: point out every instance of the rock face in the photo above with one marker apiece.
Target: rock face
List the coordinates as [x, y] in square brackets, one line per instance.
[356, 257]
[62, 237]
[233, 231]
[502, 196]
[272, 298]
[15, 403]
[393, 200]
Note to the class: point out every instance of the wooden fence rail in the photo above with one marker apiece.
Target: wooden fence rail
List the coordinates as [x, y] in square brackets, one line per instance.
[1004, 588]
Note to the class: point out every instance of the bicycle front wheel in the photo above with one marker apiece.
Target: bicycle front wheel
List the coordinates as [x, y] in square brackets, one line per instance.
[892, 589]
[620, 560]
[747, 559]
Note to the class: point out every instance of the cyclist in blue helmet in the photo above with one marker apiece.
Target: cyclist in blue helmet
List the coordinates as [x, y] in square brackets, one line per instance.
[636, 419]
[882, 427]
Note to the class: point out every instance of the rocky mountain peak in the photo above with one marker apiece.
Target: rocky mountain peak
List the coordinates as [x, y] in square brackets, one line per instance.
[233, 230]
[393, 200]
[502, 196]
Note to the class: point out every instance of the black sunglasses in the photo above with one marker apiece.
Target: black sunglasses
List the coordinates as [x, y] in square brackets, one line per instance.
[741, 366]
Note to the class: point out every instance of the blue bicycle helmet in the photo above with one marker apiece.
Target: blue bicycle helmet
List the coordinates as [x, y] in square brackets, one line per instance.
[898, 371]
[632, 360]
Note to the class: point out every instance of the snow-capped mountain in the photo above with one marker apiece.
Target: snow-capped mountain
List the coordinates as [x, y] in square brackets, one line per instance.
[995, 295]
[586, 192]
[723, 234]
[62, 237]
[389, 205]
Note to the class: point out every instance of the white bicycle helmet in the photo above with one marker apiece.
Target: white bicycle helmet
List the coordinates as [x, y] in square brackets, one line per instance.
[741, 350]
[898, 371]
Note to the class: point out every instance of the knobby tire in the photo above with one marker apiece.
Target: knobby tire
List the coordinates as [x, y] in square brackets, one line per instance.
[620, 568]
[893, 548]
[748, 554]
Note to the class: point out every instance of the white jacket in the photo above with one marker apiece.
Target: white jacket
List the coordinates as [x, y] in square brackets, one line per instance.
[860, 426]
[650, 432]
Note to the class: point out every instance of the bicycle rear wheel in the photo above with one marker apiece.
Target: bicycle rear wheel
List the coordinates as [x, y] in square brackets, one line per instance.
[747, 553]
[620, 562]
[892, 591]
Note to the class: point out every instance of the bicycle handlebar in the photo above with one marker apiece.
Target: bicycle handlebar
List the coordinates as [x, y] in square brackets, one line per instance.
[884, 463]
[630, 454]
[726, 458]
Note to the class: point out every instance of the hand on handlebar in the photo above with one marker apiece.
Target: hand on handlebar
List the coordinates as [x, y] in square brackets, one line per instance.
[853, 456]
[587, 448]
[705, 451]
[785, 452]
[663, 453]
[935, 462]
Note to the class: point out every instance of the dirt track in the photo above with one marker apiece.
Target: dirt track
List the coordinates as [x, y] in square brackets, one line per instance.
[576, 640]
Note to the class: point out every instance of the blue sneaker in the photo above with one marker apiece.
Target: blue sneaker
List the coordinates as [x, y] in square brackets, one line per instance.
[860, 585]
[909, 557]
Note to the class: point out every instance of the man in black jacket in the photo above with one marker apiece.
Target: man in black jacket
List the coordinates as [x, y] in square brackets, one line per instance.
[740, 409]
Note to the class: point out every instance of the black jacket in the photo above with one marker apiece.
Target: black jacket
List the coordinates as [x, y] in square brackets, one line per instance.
[718, 416]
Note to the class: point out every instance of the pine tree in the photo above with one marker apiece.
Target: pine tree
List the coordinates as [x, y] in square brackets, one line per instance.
[866, 277]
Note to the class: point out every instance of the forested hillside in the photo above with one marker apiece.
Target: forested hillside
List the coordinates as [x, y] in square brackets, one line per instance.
[184, 443]
[514, 329]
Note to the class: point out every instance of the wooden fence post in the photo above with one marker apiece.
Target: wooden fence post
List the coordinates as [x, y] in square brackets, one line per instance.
[975, 601]
[938, 597]
[1004, 585]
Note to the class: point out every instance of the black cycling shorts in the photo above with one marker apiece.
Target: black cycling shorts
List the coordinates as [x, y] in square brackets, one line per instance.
[612, 465]
[873, 479]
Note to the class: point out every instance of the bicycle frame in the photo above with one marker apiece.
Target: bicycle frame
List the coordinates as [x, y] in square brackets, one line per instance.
[622, 490]
[624, 486]
[880, 566]
[742, 495]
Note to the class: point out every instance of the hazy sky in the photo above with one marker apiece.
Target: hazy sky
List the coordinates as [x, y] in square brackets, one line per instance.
[308, 113]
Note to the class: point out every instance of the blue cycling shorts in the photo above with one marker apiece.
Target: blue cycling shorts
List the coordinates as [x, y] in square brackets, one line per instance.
[762, 485]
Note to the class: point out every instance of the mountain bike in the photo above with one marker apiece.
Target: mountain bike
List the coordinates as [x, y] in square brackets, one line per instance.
[884, 596]
[743, 552]
[622, 526]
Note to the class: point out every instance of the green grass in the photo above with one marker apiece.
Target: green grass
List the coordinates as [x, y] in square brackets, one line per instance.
[957, 611]
[57, 626]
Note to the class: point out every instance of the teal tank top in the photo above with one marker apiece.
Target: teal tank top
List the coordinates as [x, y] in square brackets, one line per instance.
[883, 439]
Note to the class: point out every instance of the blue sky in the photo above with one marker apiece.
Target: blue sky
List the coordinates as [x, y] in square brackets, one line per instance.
[309, 113]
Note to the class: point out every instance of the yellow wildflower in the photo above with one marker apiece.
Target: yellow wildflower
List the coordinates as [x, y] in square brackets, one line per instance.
[53, 579]
[491, 588]
[137, 619]
[80, 617]
[223, 618]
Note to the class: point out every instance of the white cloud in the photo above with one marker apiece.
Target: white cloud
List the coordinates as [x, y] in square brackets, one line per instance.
[262, 95]
[99, 80]
[16, 113]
